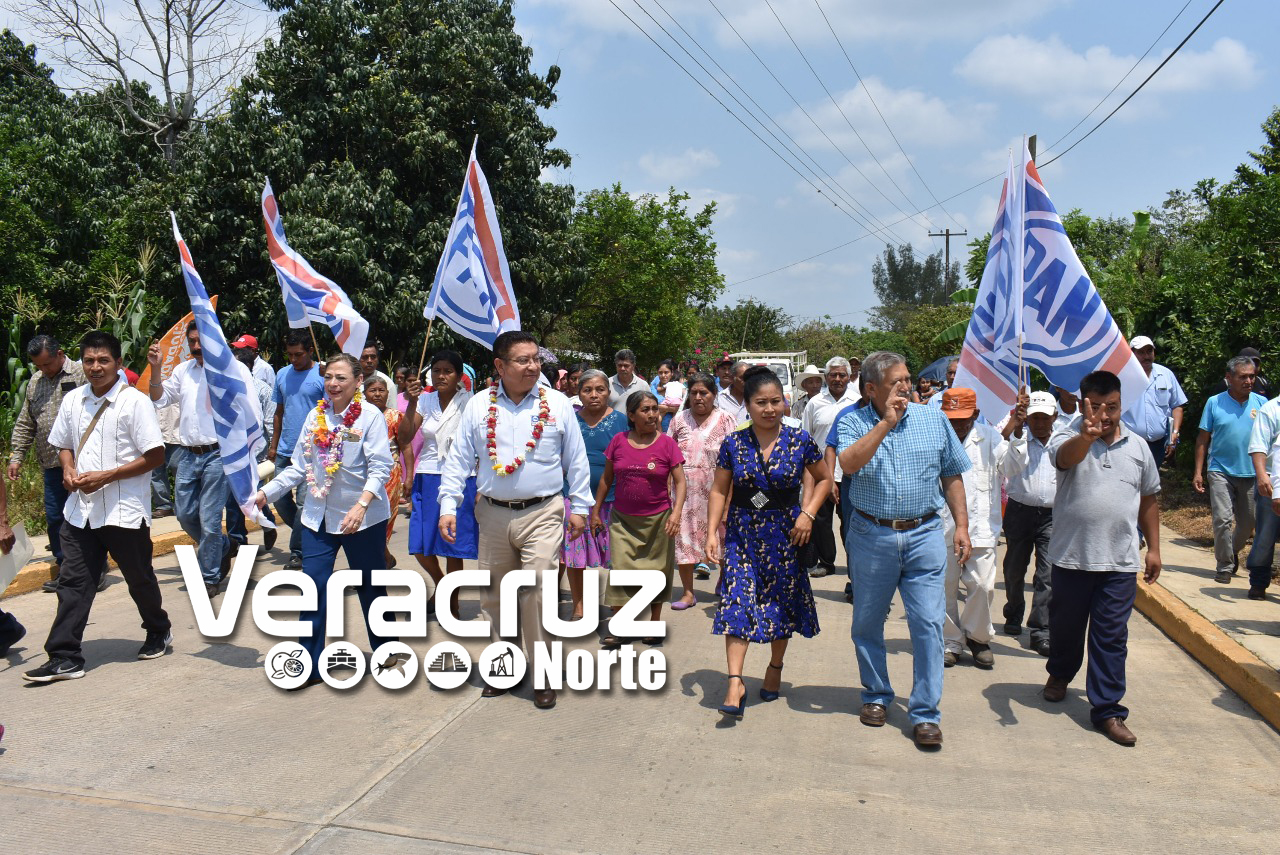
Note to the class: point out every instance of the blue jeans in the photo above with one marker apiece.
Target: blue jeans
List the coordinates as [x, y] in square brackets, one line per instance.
[287, 507]
[1092, 607]
[200, 495]
[161, 496]
[365, 552]
[915, 563]
[1266, 526]
[55, 499]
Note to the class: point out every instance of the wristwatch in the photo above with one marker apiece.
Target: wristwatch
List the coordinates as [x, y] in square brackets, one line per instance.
[362, 503]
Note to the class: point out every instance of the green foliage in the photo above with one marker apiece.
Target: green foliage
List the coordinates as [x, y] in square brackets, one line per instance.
[903, 283]
[749, 325]
[924, 330]
[18, 374]
[650, 267]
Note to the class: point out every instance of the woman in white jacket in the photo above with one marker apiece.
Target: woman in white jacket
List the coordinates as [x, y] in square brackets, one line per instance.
[436, 416]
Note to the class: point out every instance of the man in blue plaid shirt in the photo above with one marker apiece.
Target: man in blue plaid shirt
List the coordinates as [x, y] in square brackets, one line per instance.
[901, 461]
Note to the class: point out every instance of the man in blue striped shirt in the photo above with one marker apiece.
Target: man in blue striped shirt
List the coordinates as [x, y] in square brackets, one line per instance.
[901, 461]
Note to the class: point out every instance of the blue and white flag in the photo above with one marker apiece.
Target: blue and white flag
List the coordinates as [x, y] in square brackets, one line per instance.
[1036, 298]
[472, 291]
[240, 437]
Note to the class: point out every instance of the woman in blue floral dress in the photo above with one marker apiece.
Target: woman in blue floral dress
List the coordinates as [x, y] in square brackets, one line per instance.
[767, 597]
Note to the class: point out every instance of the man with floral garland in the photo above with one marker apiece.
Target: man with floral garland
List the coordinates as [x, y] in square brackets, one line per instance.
[527, 438]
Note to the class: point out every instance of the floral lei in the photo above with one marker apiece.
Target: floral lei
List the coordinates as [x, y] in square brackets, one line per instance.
[329, 444]
[491, 430]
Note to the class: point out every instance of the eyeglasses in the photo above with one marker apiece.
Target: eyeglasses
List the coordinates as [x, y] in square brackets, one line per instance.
[526, 361]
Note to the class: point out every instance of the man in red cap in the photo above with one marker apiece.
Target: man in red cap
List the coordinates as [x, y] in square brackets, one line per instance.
[992, 456]
[258, 367]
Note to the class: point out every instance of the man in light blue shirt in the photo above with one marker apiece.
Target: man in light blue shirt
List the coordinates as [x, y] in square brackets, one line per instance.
[297, 389]
[1225, 427]
[1157, 416]
[902, 462]
[1264, 453]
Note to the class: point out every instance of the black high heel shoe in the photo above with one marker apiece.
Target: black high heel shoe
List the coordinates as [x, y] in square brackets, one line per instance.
[765, 694]
[740, 710]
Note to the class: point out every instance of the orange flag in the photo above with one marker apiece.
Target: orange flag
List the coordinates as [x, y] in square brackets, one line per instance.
[173, 349]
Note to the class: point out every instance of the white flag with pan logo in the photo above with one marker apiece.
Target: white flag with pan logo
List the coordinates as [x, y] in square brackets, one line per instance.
[1035, 289]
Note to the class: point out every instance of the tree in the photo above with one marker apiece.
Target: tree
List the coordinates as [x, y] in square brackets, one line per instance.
[904, 283]
[191, 50]
[363, 115]
[650, 266]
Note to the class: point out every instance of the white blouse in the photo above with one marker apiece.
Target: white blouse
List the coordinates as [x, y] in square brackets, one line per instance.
[438, 429]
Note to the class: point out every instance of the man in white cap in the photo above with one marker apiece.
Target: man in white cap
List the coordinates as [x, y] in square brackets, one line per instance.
[809, 382]
[1028, 525]
[819, 554]
[1157, 416]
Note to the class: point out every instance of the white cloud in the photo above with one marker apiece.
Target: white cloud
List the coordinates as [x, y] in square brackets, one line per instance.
[675, 169]
[1068, 83]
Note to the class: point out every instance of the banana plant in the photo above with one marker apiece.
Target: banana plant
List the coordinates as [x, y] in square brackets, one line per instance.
[955, 332]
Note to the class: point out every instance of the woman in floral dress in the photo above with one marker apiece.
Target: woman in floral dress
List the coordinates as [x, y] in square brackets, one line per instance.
[698, 430]
[766, 597]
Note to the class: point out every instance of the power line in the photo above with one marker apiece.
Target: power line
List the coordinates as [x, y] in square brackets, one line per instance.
[803, 111]
[848, 196]
[872, 99]
[1140, 85]
[842, 113]
[1132, 68]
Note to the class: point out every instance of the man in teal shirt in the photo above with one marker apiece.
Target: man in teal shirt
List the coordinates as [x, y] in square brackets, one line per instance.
[1225, 427]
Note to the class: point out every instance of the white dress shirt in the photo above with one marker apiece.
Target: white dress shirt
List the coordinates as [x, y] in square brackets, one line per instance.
[264, 372]
[127, 430]
[188, 387]
[726, 402]
[559, 457]
[1037, 484]
[366, 465]
[820, 415]
[991, 456]
[439, 427]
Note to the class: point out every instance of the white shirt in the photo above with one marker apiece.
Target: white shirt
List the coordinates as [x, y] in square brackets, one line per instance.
[1037, 484]
[674, 391]
[188, 387]
[127, 430]
[820, 415]
[726, 402]
[618, 394]
[439, 427]
[559, 457]
[366, 465]
[391, 386]
[264, 372]
[991, 456]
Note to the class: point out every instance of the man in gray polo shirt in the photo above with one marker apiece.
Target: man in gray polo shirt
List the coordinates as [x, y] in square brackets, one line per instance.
[1107, 485]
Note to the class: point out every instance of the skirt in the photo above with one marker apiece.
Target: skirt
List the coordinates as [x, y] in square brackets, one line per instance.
[424, 534]
[587, 549]
[639, 543]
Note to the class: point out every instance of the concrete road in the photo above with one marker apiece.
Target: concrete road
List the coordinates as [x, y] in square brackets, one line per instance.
[196, 752]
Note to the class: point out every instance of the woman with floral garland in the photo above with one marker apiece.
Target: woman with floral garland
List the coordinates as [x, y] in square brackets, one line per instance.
[345, 459]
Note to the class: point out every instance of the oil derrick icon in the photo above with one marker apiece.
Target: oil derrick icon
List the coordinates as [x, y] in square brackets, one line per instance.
[503, 664]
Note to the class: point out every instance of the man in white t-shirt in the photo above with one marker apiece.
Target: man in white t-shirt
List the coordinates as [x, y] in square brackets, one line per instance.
[108, 441]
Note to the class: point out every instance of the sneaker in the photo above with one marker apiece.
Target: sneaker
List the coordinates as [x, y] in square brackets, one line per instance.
[1222, 577]
[294, 563]
[982, 656]
[156, 645]
[700, 570]
[949, 658]
[54, 670]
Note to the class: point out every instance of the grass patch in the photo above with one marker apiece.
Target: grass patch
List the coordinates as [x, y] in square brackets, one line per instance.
[26, 496]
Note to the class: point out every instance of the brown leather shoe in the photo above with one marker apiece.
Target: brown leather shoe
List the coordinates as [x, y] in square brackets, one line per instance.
[544, 699]
[1056, 689]
[491, 692]
[927, 734]
[872, 715]
[1117, 731]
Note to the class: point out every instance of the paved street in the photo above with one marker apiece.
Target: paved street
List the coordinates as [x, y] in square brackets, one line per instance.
[197, 752]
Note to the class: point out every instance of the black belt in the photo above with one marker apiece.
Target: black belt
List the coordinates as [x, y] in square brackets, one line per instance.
[518, 506]
[899, 525]
[765, 500]
[201, 449]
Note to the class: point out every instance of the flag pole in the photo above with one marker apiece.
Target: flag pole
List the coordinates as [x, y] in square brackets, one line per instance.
[422, 359]
[314, 343]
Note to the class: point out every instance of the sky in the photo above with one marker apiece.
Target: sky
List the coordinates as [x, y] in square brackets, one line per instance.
[888, 108]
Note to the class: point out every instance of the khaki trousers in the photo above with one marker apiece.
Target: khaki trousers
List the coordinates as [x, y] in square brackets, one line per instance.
[513, 540]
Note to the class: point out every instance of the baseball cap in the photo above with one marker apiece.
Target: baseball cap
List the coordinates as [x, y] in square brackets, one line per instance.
[245, 341]
[1043, 403]
[959, 403]
[1249, 353]
[1141, 341]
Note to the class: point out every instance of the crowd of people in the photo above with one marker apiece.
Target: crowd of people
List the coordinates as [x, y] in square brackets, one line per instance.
[566, 469]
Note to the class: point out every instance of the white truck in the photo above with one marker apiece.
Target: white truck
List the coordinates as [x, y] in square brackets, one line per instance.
[786, 365]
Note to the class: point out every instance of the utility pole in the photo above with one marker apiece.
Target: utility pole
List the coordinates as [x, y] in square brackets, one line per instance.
[948, 234]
